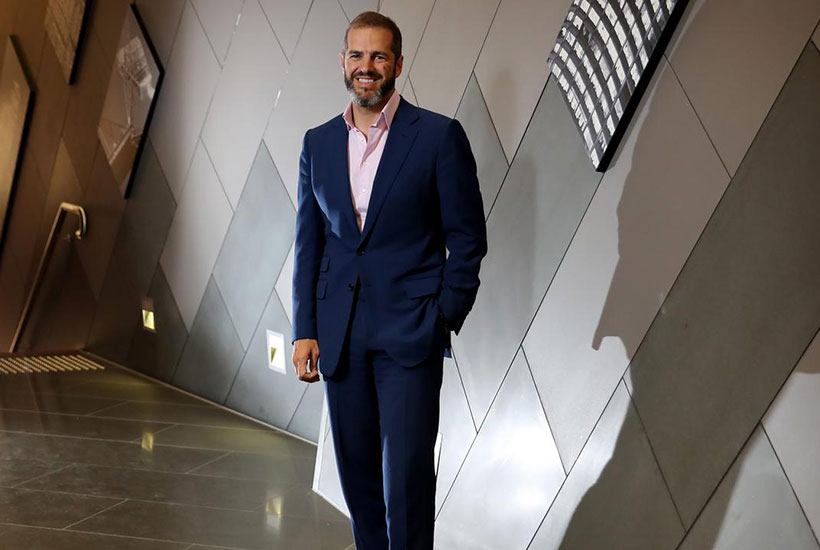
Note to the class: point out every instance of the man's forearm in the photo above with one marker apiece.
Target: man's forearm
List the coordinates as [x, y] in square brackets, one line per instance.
[308, 250]
[462, 213]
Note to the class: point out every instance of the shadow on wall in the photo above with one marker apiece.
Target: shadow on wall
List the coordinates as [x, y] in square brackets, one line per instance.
[629, 505]
[737, 322]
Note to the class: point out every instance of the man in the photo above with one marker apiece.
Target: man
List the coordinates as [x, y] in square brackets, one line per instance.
[383, 189]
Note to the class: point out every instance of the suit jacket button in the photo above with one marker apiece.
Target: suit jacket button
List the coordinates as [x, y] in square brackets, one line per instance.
[360, 252]
[350, 286]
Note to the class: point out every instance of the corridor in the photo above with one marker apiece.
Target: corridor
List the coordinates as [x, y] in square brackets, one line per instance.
[107, 459]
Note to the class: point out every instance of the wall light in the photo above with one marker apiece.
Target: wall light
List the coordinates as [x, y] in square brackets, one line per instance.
[148, 315]
[276, 351]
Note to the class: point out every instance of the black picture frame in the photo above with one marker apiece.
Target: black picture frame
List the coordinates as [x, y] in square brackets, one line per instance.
[598, 38]
[133, 88]
[15, 111]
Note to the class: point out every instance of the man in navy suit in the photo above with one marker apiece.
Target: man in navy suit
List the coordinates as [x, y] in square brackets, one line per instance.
[384, 191]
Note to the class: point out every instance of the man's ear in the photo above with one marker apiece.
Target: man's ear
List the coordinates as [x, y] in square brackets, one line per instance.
[342, 61]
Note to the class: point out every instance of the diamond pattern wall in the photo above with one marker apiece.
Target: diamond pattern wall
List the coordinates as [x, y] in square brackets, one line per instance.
[450, 47]
[248, 86]
[750, 279]
[614, 495]
[250, 259]
[541, 202]
[589, 291]
[191, 76]
[648, 212]
[512, 84]
[513, 468]
[314, 73]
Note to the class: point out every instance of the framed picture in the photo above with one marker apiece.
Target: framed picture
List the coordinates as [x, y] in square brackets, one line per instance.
[135, 81]
[15, 100]
[603, 60]
[64, 24]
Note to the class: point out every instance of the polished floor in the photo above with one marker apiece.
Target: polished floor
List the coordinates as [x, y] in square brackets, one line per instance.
[109, 460]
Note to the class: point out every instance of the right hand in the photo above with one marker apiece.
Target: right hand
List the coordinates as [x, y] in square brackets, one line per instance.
[306, 351]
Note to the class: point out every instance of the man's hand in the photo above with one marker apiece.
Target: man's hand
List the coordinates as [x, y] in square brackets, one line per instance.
[306, 351]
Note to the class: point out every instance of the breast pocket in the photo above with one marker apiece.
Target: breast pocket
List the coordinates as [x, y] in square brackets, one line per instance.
[425, 286]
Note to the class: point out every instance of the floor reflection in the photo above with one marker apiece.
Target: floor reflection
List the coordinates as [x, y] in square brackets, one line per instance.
[108, 459]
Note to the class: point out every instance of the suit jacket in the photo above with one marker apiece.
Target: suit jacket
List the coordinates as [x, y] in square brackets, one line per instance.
[425, 200]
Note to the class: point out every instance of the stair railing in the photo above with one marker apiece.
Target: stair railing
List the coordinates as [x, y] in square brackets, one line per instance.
[65, 208]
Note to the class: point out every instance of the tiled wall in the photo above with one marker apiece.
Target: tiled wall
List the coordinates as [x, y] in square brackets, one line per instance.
[641, 368]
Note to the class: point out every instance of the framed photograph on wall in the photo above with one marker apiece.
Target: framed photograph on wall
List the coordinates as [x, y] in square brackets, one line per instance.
[64, 23]
[135, 81]
[603, 59]
[15, 100]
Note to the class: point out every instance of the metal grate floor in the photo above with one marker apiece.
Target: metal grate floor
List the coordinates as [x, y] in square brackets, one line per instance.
[27, 364]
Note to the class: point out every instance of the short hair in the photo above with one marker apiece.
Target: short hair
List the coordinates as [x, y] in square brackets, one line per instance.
[375, 19]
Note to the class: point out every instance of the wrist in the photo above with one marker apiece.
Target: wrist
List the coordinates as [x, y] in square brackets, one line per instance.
[443, 322]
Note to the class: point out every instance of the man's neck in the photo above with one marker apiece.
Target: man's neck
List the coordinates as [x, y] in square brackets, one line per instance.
[365, 117]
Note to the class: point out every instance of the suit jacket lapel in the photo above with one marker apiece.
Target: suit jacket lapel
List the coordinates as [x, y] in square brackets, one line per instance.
[399, 140]
[341, 188]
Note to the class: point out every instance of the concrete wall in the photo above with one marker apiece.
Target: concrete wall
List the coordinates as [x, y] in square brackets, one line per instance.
[640, 369]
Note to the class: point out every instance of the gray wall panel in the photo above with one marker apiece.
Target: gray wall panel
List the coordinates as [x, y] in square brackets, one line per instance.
[118, 314]
[614, 496]
[753, 508]
[259, 391]
[248, 87]
[537, 211]
[161, 17]
[512, 84]
[213, 351]
[191, 75]
[512, 471]
[732, 78]
[157, 354]
[146, 221]
[745, 306]
[308, 415]
[489, 156]
[255, 246]
[456, 428]
[641, 225]
[219, 20]
[792, 424]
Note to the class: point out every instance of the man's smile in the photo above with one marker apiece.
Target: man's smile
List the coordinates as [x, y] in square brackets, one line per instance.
[366, 80]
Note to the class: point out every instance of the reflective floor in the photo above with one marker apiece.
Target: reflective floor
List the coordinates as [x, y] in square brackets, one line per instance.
[109, 460]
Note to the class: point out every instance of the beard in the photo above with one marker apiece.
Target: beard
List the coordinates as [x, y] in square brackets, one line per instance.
[374, 98]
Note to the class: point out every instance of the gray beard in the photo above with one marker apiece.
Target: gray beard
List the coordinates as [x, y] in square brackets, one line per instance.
[378, 96]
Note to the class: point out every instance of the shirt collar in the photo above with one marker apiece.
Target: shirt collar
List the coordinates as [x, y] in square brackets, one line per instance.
[385, 117]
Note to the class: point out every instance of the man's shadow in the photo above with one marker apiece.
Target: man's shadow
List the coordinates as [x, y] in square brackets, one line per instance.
[617, 510]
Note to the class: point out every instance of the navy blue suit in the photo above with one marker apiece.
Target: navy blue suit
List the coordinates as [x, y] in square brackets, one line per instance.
[373, 299]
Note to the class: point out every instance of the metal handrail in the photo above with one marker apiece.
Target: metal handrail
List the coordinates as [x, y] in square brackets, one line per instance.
[65, 208]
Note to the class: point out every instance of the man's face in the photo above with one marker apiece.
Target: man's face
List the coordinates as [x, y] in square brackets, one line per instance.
[369, 67]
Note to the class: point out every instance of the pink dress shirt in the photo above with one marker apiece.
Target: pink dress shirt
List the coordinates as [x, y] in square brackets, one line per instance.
[364, 154]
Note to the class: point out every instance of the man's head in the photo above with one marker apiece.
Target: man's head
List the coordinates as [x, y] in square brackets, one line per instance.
[371, 58]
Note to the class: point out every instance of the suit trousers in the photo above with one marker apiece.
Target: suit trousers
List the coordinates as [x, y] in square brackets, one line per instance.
[384, 420]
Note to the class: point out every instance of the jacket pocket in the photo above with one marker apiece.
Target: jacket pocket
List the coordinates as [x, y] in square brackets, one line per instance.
[423, 286]
[321, 288]
[325, 263]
